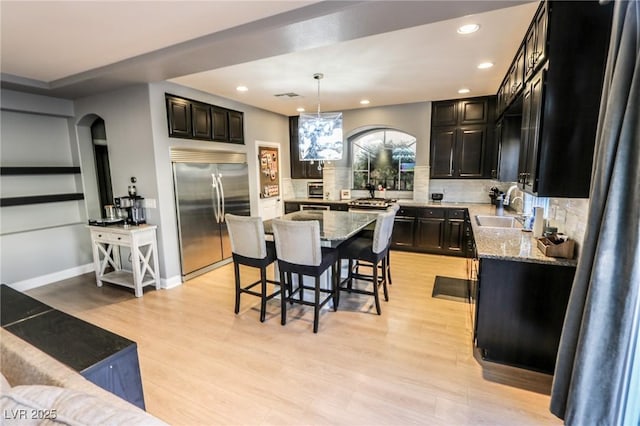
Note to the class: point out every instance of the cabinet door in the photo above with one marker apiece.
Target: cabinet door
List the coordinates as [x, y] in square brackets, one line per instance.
[443, 142]
[520, 65]
[454, 236]
[179, 117]
[220, 125]
[300, 169]
[540, 23]
[445, 113]
[529, 178]
[403, 232]
[474, 111]
[430, 234]
[236, 126]
[201, 121]
[471, 146]
[530, 48]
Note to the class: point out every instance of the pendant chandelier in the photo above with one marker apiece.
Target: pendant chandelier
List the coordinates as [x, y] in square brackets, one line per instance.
[320, 134]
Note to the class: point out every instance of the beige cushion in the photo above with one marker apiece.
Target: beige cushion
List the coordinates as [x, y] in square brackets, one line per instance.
[39, 404]
[247, 236]
[298, 242]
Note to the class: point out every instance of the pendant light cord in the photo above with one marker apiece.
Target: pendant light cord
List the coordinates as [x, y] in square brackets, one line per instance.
[318, 77]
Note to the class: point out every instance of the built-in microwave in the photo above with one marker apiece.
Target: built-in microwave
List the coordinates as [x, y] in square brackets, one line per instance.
[315, 190]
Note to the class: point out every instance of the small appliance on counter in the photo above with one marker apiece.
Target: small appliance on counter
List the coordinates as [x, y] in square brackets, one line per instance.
[131, 209]
[315, 190]
[437, 197]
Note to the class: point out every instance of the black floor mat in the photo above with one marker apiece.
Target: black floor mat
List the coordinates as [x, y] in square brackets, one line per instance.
[451, 289]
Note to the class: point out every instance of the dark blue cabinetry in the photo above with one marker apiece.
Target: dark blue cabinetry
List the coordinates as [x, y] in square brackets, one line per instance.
[102, 357]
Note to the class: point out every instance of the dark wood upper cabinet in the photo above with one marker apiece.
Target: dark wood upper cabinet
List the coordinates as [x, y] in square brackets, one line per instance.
[465, 148]
[443, 144]
[179, 117]
[474, 111]
[220, 124]
[191, 119]
[300, 169]
[472, 142]
[445, 113]
[536, 42]
[201, 121]
[566, 50]
[236, 126]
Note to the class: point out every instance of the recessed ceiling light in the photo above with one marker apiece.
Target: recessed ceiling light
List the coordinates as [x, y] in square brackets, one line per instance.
[485, 65]
[364, 102]
[300, 109]
[463, 91]
[468, 29]
[242, 88]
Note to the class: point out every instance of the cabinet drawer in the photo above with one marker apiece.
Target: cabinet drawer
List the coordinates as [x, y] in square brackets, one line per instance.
[112, 237]
[428, 212]
[406, 212]
[456, 214]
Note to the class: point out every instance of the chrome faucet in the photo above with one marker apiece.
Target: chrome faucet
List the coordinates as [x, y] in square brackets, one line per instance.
[507, 198]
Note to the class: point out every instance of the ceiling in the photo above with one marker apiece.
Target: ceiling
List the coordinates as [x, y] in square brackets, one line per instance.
[390, 52]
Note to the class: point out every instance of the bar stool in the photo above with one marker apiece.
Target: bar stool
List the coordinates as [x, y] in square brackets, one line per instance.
[374, 251]
[249, 248]
[299, 252]
[368, 233]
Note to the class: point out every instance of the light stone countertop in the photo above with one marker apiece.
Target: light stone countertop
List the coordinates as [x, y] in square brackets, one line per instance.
[491, 242]
[508, 243]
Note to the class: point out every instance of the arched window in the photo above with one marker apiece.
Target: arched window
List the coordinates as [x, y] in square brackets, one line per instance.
[383, 157]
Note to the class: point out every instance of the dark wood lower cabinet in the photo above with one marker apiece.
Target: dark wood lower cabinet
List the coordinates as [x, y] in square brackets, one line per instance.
[433, 230]
[430, 233]
[520, 308]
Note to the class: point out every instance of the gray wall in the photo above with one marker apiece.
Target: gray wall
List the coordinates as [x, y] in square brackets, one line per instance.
[414, 119]
[40, 243]
[45, 243]
[259, 125]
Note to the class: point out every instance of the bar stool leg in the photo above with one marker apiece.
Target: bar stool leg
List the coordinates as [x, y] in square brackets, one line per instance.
[283, 298]
[316, 305]
[375, 288]
[384, 278]
[237, 276]
[263, 297]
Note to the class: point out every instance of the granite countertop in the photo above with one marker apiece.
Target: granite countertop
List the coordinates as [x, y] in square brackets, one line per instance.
[491, 242]
[508, 243]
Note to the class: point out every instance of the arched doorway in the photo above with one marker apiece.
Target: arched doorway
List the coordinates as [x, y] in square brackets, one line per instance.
[101, 156]
[94, 160]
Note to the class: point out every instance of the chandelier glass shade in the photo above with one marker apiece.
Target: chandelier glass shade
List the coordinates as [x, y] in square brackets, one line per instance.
[320, 134]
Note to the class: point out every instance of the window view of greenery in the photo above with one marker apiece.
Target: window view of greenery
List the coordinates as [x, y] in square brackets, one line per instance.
[384, 158]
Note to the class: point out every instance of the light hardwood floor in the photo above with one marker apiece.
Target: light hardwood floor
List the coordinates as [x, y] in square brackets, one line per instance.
[414, 364]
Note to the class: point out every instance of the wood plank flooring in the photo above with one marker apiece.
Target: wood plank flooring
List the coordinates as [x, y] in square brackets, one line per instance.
[414, 364]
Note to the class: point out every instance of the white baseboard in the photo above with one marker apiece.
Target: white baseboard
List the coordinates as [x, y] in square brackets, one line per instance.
[167, 283]
[51, 278]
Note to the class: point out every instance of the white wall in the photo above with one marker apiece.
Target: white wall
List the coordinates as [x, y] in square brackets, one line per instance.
[40, 243]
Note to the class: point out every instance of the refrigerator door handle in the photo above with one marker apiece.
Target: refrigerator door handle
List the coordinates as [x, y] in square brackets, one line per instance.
[222, 211]
[216, 201]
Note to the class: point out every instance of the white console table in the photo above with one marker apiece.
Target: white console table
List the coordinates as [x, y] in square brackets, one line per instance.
[141, 239]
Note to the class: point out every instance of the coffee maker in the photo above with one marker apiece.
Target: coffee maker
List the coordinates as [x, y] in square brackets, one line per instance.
[131, 207]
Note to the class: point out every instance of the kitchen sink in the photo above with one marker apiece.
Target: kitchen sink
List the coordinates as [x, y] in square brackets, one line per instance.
[496, 221]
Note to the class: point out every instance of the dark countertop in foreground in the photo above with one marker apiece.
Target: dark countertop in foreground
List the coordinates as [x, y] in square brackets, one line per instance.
[491, 242]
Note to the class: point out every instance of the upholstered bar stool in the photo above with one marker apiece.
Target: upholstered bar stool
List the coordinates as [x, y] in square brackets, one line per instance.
[299, 252]
[368, 233]
[373, 251]
[249, 248]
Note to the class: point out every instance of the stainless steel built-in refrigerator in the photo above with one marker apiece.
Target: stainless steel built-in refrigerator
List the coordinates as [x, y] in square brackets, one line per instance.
[207, 185]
